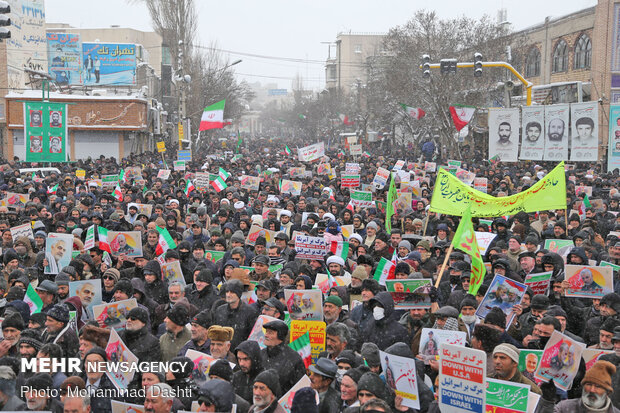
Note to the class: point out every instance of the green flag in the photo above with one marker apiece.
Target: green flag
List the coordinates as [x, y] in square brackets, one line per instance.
[239, 140]
[389, 209]
[465, 240]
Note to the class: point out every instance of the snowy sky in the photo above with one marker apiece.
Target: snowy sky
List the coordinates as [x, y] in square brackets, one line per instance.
[287, 35]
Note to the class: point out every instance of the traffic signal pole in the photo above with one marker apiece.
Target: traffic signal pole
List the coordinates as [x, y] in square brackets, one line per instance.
[528, 85]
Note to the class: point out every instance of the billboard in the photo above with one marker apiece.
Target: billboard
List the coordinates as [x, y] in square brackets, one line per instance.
[45, 132]
[109, 64]
[613, 155]
[64, 54]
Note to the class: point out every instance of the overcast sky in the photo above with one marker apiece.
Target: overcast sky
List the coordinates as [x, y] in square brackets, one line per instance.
[294, 29]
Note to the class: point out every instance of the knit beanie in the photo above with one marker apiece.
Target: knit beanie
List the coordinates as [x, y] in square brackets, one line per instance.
[13, 320]
[360, 273]
[600, 374]
[41, 381]
[509, 350]
[179, 315]
[304, 401]
[59, 313]
[139, 313]
[221, 369]
[270, 379]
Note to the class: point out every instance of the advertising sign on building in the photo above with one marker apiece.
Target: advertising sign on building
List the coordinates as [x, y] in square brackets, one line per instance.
[109, 63]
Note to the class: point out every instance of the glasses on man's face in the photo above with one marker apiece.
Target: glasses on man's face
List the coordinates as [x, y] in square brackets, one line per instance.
[108, 277]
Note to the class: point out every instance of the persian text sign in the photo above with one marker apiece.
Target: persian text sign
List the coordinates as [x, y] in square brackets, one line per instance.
[350, 181]
[316, 330]
[310, 248]
[462, 374]
[452, 197]
[312, 152]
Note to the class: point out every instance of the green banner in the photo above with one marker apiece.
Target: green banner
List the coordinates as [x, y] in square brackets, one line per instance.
[214, 256]
[45, 132]
[507, 397]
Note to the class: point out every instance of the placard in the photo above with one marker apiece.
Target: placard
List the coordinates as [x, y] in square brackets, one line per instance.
[163, 174]
[431, 340]
[556, 132]
[58, 248]
[125, 242]
[161, 147]
[286, 401]
[311, 152]
[560, 360]
[362, 199]
[202, 365]
[291, 187]
[24, 230]
[258, 231]
[117, 351]
[350, 181]
[559, 246]
[202, 181]
[503, 134]
[484, 239]
[171, 272]
[381, 178]
[503, 293]
[591, 355]
[109, 180]
[304, 304]
[584, 127]
[462, 384]
[588, 281]
[120, 407]
[178, 165]
[251, 183]
[506, 396]
[258, 332]
[355, 149]
[408, 294]
[481, 184]
[539, 282]
[399, 374]
[114, 315]
[88, 291]
[532, 135]
[316, 331]
[310, 248]
[214, 256]
[352, 168]
[45, 132]
[529, 361]
[430, 166]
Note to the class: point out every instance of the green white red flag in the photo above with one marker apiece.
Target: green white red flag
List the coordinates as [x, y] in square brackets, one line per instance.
[189, 187]
[102, 236]
[340, 248]
[287, 150]
[302, 346]
[465, 240]
[584, 204]
[385, 271]
[223, 174]
[461, 115]
[33, 300]
[415, 113]
[219, 184]
[52, 190]
[165, 241]
[213, 116]
[118, 194]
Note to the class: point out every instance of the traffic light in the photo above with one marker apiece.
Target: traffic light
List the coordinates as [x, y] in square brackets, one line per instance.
[5, 9]
[426, 66]
[477, 64]
[447, 66]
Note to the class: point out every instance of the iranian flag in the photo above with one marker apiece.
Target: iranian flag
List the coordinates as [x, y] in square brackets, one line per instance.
[350, 206]
[465, 240]
[121, 176]
[584, 204]
[415, 113]
[345, 119]
[461, 115]
[341, 153]
[118, 194]
[385, 271]
[223, 174]
[52, 190]
[302, 346]
[102, 236]
[366, 154]
[165, 241]
[213, 116]
[33, 300]
[219, 184]
[189, 187]
[287, 150]
[89, 242]
[340, 248]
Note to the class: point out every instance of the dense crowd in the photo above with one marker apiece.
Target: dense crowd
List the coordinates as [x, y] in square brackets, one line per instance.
[207, 314]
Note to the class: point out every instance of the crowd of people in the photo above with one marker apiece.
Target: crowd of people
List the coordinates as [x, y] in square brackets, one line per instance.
[207, 314]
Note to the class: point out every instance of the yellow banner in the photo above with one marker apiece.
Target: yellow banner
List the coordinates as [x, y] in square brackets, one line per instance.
[452, 197]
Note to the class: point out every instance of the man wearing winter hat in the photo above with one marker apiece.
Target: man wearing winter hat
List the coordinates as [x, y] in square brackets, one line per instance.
[279, 356]
[273, 308]
[250, 365]
[322, 374]
[90, 337]
[596, 390]
[8, 399]
[266, 393]
[47, 292]
[12, 326]
[56, 321]
[220, 342]
[200, 327]
[355, 288]
[362, 314]
[235, 313]
[506, 363]
[38, 396]
[144, 345]
[216, 396]
[177, 332]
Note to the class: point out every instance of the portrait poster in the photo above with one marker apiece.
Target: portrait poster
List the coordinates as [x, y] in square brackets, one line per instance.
[432, 338]
[586, 189]
[202, 365]
[588, 281]
[58, 248]
[286, 401]
[291, 187]
[408, 294]
[462, 379]
[88, 291]
[120, 407]
[559, 246]
[258, 231]
[503, 293]
[163, 174]
[504, 133]
[125, 242]
[304, 304]
[266, 211]
[430, 166]
[560, 360]
[556, 132]
[214, 256]
[347, 230]
[584, 128]
[45, 132]
[146, 209]
[258, 332]
[613, 148]
[133, 172]
[24, 230]
[113, 315]
[399, 374]
[118, 352]
[591, 356]
[251, 183]
[171, 272]
[532, 136]
[529, 361]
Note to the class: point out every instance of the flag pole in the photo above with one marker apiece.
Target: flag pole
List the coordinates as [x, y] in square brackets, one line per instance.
[425, 225]
[566, 220]
[443, 266]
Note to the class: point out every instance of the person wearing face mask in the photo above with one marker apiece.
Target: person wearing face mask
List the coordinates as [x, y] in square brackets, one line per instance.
[596, 392]
[384, 330]
[25, 255]
[468, 314]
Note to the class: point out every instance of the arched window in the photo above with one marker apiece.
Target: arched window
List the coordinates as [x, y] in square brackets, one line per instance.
[583, 52]
[560, 57]
[532, 63]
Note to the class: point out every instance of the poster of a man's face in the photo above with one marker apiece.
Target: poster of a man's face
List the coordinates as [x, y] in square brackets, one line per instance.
[585, 126]
[35, 118]
[555, 131]
[504, 132]
[532, 131]
[58, 249]
[55, 144]
[55, 118]
[35, 144]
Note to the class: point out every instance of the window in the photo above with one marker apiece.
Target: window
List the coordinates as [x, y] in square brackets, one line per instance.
[532, 63]
[560, 57]
[583, 52]
[358, 48]
[331, 73]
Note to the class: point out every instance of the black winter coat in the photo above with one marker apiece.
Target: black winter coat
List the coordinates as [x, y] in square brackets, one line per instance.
[287, 362]
[386, 331]
[142, 344]
[243, 382]
[241, 319]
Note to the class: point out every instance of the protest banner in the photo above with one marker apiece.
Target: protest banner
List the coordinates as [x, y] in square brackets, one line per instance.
[171, 272]
[258, 231]
[202, 181]
[559, 246]
[430, 166]
[351, 168]
[311, 152]
[462, 384]
[286, 401]
[431, 340]
[24, 230]
[579, 189]
[503, 293]
[163, 174]
[251, 183]
[202, 365]
[529, 361]
[452, 162]
[214, 256]
[480, 184]
[399, 374]
[408, 294]
[258, 332]
[350, 181]
[109, 180]
[381, 178]
[125, 242]
[114, 315]
[538, 282]
[452, 197]
[362, 199]
[291, 187]
[591, 355]
[506, 396]
[588, 281]
[316, 330]
[178, 165]
[560, 360]
[118, 352]
[120, 407]
[347, 230]
[355, 149]
[310, 248]
[304, 304]
[484, 240]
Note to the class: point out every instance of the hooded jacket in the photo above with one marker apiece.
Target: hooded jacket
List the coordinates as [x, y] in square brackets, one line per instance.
[243, 382]
[27, 260]
[386, 331]
[287, 362]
